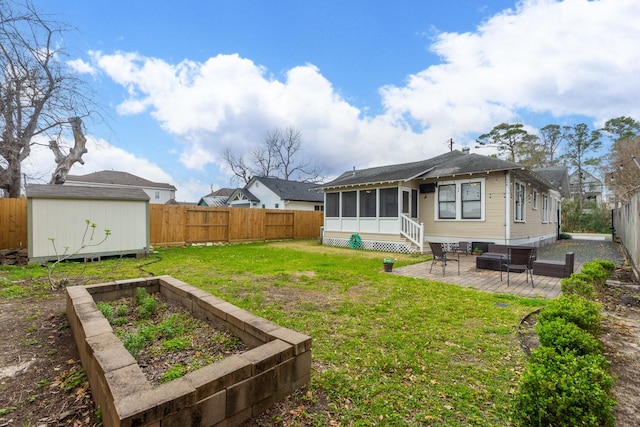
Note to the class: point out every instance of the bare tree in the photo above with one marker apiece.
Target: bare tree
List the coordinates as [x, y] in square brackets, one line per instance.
[278, 156]
[38, 93]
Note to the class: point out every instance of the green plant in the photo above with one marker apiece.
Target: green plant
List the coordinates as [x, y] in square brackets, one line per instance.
[389, 260]
[176, 344]
[597, 273]
[564, 236]
[106, 310]
[564, 389]
[578, 284]
[573, 308]
[566, 336]
[73, 379]
[176, 371]
[606, 264]
[7, 410]
[145, 304]
[477, 251]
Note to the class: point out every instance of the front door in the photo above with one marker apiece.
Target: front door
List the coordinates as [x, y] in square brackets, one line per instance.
[410, 203]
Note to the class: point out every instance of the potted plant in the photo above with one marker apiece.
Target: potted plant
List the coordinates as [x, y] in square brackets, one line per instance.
[477, 251]
[388, 264]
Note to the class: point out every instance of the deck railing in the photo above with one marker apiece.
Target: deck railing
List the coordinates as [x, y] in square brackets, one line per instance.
[412, 230]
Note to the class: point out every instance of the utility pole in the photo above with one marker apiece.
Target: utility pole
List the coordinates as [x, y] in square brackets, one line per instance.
[450, 144]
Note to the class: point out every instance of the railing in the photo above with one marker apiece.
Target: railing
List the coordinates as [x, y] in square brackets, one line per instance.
[412, 230]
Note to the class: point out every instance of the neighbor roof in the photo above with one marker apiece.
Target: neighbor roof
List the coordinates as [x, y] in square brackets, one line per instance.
[118, 178]
[51, 191]
[291, 190]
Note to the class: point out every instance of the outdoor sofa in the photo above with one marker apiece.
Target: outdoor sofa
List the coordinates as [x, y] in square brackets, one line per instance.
[496, 254]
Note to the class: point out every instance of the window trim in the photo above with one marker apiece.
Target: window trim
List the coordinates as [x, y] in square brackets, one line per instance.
[523, 202]
[458, 200]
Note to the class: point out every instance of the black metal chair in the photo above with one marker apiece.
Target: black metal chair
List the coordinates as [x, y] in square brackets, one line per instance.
[463, 248]
[518, 259]
[440, 255]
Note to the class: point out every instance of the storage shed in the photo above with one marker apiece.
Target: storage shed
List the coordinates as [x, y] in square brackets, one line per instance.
[60, 213]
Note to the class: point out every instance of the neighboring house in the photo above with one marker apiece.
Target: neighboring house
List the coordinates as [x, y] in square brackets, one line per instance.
[159, 193]
[216, 198]
[592, 187]
[453, 197]
[276, 193]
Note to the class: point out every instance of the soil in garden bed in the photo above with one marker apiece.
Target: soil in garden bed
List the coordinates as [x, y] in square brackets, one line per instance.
[170, 342]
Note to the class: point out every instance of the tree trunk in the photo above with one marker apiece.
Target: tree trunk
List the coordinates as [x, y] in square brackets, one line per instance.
[75, 154]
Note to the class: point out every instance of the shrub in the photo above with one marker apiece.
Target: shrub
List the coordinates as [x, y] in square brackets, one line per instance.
[565, 336]
[607, 265]
[597, 272]
[578, 284]
[563, 389]
[575, 309]
[564, 236]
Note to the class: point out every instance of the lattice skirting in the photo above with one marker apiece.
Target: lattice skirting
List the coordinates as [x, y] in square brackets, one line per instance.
[373, 245]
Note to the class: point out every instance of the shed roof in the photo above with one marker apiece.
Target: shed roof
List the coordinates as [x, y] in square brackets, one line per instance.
[50, 191]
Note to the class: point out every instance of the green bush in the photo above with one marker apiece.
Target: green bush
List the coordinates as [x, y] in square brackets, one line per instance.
[566, 336]
[578, 284]
[564, 236]
[575, 309]
[607, 265]
[597, 272]
[563, 389]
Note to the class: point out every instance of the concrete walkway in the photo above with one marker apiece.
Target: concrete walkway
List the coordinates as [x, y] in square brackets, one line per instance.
[485, 280]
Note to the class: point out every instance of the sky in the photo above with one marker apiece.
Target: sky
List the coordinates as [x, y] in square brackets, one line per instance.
[367, 83]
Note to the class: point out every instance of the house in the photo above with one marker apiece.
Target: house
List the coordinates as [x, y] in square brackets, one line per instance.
[159, 193]
[457, 196]
[216, 198]
[275, 193]
[592, 187]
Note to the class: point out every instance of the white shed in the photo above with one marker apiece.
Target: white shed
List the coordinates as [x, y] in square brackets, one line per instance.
[59, 214]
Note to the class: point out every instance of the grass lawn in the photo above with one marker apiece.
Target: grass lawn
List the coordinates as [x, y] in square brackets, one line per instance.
[387, 350]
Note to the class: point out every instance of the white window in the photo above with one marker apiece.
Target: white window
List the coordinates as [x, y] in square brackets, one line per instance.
[471, 200]
[468, 206]
[157, 195]
[447, 201]
[545, 208]
[519, 205]
[535, 199]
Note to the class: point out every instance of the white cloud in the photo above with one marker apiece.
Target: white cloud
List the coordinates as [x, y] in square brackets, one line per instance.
[543, 57]
[82, 67]
[571, 57]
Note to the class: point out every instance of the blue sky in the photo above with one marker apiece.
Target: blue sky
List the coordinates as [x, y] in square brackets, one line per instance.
[366, 82]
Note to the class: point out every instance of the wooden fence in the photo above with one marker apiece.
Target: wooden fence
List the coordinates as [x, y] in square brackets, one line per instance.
[13, 223]
[173, 225]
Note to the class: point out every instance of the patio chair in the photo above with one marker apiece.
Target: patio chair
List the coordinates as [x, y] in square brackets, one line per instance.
[440, 255]
[463, 248]
[518, 259]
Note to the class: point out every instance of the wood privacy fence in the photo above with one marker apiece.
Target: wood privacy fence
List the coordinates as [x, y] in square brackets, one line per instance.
[13, 223]
[173, 225]
[190, 224]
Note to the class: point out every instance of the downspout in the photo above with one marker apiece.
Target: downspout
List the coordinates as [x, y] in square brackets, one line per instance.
[507, 206]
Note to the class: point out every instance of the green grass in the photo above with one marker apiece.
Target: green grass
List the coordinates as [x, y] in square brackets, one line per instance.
[387, 349]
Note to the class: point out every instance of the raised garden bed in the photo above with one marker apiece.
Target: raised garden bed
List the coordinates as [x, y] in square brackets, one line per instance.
[227, 392]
